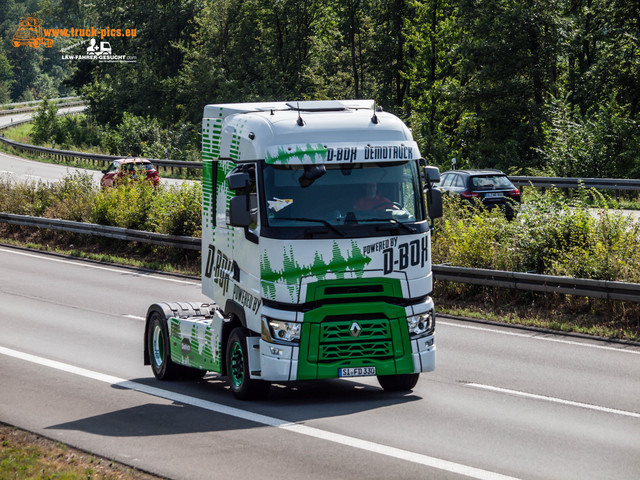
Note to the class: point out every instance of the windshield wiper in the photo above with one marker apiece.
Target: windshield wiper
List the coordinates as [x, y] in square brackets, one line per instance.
[318, 220]
[392, 220]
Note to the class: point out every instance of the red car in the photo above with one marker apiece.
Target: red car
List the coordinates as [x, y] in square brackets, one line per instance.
[136, 168]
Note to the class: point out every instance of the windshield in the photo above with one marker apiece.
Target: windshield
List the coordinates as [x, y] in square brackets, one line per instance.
[344, 194]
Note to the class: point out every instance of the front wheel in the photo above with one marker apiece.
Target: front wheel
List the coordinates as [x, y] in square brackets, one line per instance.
[243, 387]
[398, 383]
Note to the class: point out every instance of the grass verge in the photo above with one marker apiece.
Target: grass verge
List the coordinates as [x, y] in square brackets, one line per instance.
[148, 257]
[24, 455]
[563, 313]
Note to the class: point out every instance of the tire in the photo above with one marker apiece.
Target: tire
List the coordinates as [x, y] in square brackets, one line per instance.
[243, 387]
[159, 350]
[160, 353]
[398, 383]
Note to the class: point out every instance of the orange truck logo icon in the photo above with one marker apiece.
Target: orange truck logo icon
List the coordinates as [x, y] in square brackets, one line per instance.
[30, 33]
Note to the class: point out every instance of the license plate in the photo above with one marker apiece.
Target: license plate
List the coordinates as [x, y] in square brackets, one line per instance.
[493, 194]
[357, 372]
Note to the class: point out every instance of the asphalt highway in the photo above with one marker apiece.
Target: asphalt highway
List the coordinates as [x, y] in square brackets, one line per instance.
[502, 403]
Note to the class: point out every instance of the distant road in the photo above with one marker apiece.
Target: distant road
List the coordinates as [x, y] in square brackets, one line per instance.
[22, 169]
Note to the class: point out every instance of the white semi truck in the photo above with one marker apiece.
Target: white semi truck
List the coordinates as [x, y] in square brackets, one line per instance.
[316, 251]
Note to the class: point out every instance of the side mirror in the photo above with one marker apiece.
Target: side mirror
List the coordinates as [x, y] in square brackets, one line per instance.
[243, 211]
[434, 203]
[239, 215]
[237, 180]
[431, 174]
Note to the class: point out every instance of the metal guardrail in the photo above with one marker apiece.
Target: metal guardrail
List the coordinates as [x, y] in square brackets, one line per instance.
[33, 109]
[189, 243]
[576, 182]
[34, 102]
[477, 276]
[581, 287]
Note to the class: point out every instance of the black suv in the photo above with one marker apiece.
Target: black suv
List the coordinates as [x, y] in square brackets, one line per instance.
[491, 187]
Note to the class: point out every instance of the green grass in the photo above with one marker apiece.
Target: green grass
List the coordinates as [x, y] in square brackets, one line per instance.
[24, 455]
[562, 313]
[20, 133]
[166, 260]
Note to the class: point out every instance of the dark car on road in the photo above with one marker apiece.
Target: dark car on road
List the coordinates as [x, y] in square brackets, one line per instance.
[134, 168]
[490, 188]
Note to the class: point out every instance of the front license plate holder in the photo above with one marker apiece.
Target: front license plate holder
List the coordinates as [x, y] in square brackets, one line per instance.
[357, 372]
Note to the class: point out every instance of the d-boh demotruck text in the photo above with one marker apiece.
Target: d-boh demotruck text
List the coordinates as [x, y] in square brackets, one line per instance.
[316, 251]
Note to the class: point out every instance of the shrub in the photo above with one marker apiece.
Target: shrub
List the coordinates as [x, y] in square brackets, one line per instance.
[551, 235]
[74, 197]
[177, 210]
[128, 205]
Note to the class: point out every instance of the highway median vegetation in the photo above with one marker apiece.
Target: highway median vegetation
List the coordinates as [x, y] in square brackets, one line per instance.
[552, 234]
[171, 210]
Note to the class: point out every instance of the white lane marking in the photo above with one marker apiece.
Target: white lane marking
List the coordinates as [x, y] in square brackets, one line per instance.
[135, 317]
[536, 336]
[554, 400]
[98, 267]
[313, 432]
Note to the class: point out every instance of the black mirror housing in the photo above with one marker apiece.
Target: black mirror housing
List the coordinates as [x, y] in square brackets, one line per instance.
[237, 180]
[434, 203]
[431, 174]
[239, 215]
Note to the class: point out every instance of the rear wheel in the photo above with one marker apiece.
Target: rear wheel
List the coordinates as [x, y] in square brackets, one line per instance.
[398, 383]
[160, 353]
[243, 387]
[159, 350]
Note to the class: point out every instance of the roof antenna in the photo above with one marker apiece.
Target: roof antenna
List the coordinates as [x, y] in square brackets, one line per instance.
[374, 119]
[299, 121]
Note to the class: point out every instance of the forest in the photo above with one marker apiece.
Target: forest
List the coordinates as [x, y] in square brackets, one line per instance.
[537, 87]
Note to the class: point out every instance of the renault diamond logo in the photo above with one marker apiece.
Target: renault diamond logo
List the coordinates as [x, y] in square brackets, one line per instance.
[355, 329]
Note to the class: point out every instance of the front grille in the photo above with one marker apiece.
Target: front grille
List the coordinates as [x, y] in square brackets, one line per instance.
[341, 331]
[351, 351]
[372, 339]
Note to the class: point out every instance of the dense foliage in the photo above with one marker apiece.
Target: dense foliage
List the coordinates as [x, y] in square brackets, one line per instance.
[549, 86]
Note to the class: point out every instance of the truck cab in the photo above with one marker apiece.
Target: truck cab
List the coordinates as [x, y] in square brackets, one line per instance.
[315, 250]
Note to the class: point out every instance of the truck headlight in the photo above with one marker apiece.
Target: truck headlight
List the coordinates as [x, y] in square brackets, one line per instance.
[280, 330]
[420, 324]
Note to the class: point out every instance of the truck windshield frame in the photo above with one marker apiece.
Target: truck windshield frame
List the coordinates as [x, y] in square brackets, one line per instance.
[347, 200]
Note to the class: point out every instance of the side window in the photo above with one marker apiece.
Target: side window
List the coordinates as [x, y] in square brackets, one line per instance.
[113, 167]
[446, 181]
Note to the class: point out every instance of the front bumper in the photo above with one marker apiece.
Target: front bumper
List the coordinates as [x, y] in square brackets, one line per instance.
[279, 363]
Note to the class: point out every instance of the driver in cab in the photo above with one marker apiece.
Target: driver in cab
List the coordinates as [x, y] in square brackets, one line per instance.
[372, 200]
